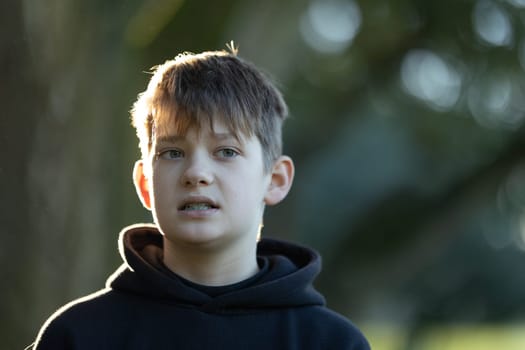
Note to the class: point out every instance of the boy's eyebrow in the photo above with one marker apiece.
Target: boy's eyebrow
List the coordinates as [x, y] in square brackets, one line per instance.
[223, 136]
[170, 139]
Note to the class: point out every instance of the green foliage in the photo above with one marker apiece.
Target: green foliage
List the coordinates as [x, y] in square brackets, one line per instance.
[406, 130]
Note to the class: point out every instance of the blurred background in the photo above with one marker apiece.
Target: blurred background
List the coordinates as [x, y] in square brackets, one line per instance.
[406, 128]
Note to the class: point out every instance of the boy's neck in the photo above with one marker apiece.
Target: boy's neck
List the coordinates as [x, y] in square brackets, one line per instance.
[210, 266]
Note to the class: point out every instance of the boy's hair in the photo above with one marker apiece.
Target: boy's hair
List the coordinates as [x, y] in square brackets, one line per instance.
[195, 89]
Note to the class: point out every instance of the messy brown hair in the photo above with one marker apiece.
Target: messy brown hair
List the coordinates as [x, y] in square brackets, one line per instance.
[196, 89]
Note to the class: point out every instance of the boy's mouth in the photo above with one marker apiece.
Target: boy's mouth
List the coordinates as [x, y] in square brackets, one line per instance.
[198, 204]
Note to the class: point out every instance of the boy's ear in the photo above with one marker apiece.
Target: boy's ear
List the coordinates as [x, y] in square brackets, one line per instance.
[281, 180]
[142, 184]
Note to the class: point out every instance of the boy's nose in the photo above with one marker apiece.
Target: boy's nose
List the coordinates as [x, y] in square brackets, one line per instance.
[197, 173]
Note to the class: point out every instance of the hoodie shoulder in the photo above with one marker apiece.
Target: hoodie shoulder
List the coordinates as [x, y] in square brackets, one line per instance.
[69, 323]
[330, 330]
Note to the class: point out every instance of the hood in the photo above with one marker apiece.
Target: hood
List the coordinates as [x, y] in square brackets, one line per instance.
[286, 283]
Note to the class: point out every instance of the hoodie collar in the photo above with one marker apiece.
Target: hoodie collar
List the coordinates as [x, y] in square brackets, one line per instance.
[286, 283]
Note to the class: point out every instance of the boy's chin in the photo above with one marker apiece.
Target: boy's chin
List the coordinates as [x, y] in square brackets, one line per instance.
[197, 238]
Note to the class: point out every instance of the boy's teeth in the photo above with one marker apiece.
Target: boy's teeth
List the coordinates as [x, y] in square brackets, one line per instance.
[197, 206]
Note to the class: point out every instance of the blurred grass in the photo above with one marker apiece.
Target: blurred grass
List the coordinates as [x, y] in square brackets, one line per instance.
[447, 337]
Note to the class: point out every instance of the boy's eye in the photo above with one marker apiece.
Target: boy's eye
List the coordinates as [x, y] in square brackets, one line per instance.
[170, 154]
[227, 153]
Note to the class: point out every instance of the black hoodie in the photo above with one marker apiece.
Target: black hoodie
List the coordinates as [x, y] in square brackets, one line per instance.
[146, 306]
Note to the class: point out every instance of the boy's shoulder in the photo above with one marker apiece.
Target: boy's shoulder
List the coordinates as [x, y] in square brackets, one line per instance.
[106, 319]
[111, 319]
[78, 316]
[331, 325]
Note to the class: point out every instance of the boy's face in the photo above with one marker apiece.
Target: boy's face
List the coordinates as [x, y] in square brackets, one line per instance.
[208, 186]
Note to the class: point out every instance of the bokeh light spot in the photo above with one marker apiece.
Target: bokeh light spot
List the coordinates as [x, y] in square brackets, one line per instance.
[496, 101]
[428, 77]
[492, 24]
[330, 27]
[517, 3]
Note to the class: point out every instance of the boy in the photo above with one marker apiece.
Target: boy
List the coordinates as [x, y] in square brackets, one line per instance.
[209, 128]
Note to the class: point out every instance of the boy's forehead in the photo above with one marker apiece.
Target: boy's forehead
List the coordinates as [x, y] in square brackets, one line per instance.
[216, 129]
